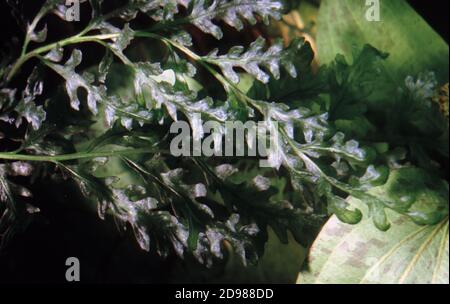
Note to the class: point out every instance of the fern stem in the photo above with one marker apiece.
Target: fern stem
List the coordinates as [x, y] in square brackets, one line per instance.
[68, 41]
[225, 83]
[74, 156]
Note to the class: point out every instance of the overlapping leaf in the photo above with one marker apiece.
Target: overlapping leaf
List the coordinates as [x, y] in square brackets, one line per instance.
[408, 253]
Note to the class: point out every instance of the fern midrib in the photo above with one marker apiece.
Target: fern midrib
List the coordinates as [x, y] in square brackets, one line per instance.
[75, 156]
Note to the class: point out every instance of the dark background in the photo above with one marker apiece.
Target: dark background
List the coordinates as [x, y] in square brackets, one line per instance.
[436, 14]
[39, 254]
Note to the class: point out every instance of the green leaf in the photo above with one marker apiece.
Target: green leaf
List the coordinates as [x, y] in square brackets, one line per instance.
[417, 122]
[356, 86]
[264, 199]
[416, 193]
[96, 7]
[26, 108]
[39, 36]
[14, 211]
[407, 253]
[413, 49]
[302, 88]
[255, 58]
[113, 108]
[232, 12]
[74, 81]
[339, 207]
[162, 93]
[159, 10]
